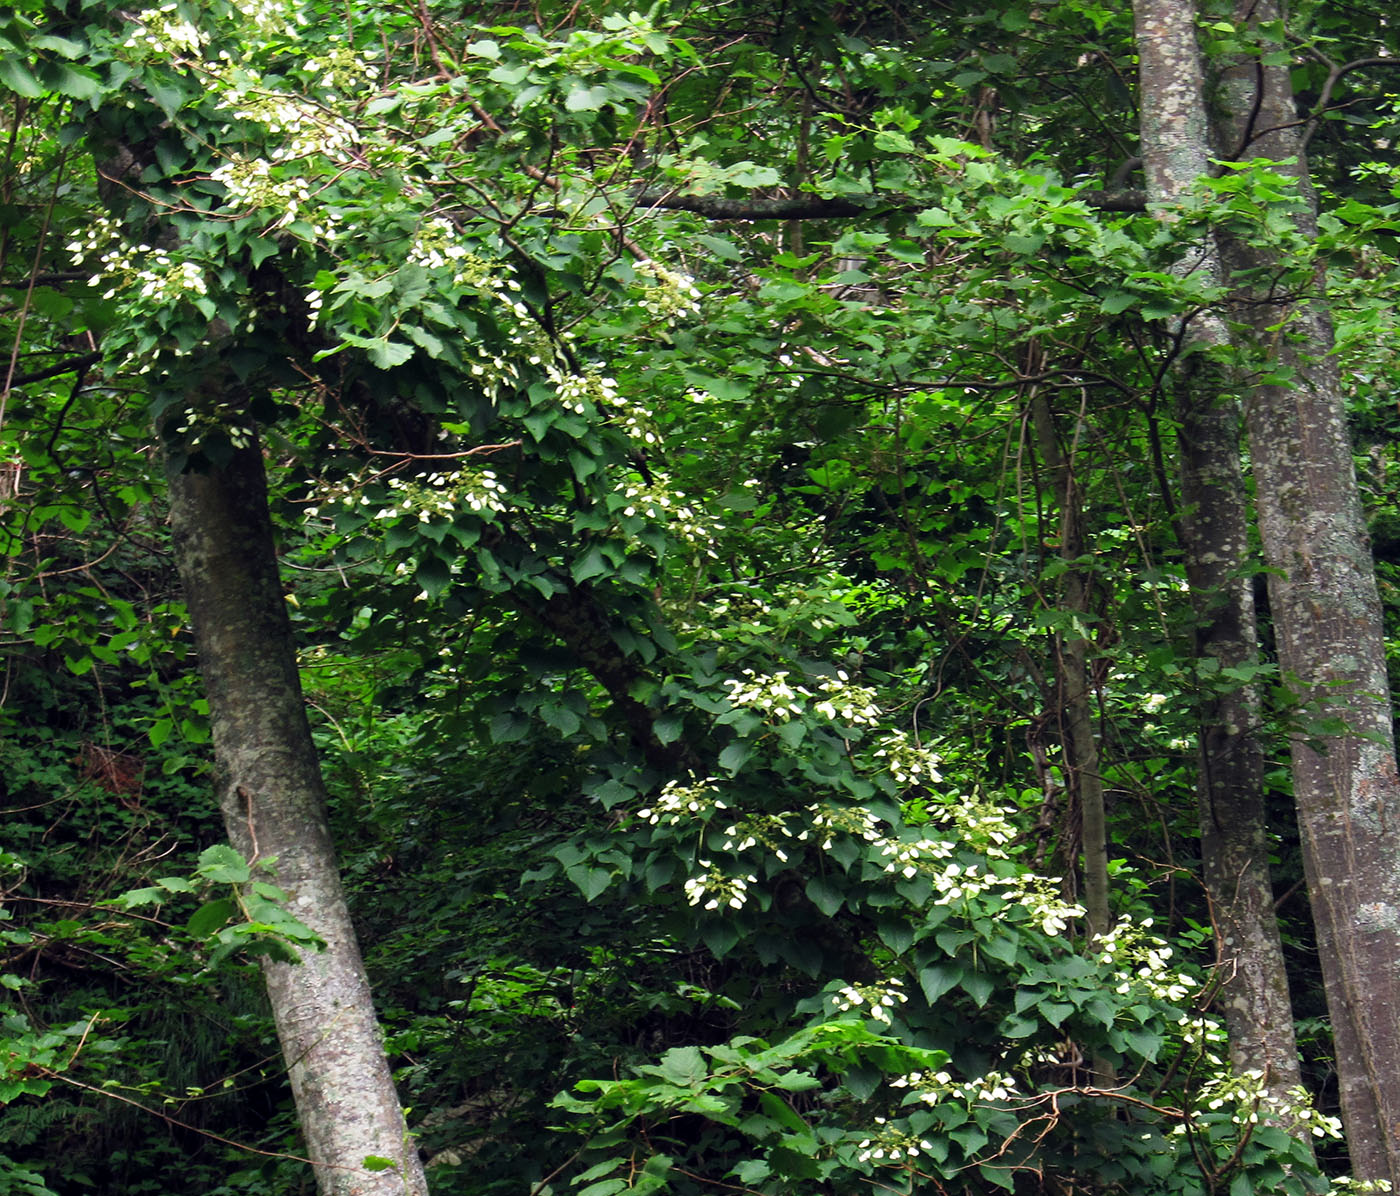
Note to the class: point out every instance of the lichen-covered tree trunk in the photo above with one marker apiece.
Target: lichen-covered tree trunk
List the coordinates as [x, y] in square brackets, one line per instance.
[1214, 533]
[274, 806]
[1327, 616]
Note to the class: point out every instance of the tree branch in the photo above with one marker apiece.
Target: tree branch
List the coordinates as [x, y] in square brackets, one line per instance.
[70, 366]
[832, 207]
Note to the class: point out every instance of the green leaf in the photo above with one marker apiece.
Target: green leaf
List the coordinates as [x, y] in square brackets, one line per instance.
[433, 575]
[938, 978]
[376, 1162]
[979, 986]
[586, 98]
[720, 937]
[825, 896]
[223, 865]
[210, 917]
[386, 353]
[591, 882]
[592, 564]
[18, 78]
[176, 884]
[684, 1066]
[735, 756]
[76, 81]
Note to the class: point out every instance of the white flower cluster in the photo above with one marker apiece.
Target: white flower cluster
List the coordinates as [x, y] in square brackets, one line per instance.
[499, 370]
[441, 495]
[303, 128]
[716, 889]
[340, 69]
[165, 31]
[670, 507]
[828, 822]
[636, 421]
[270, 16]
[957, 882]
[679, 803]
[874, 1000]
[768, 830]
[909, 859]
[891, 1145]
[1250, 1102]
[1142, 958]
[577, 391]
[933, 1088]
[438, 245]
[985, 825]
[250, 182]
[671, 296]
[908, 762]
[158, 276]
[227, 417]
[769, 694]
[1040, 897]
[853, 704]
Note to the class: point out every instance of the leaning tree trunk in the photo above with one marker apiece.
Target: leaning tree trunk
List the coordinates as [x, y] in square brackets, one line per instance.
[274, 805]
[1214, 535]
[1327, 616]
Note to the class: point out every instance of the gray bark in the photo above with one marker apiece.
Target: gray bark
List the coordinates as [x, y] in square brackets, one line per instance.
[1214, 535]
[1328, 619]
[274, 805]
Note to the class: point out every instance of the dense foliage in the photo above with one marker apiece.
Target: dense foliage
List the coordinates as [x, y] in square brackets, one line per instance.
[679, 583]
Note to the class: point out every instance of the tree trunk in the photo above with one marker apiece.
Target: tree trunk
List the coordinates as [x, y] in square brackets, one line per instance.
[1327, 616]
[1080, 746]
[1214, 535]
[274, 805]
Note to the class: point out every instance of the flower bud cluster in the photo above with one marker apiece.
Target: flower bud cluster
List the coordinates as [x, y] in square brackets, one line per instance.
[936, 1087]
[165, 32]
[670, 296]
[1142, 958]
[891, 1145]
[844, 702]
[770, 695]
[1249, 1100]
[876, 1001]
[678, 803]
[442, 495]
[669, 507]
[908, 762]
[754, 830]
[716, 889]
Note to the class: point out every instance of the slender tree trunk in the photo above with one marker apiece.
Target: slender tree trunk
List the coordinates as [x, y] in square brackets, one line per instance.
[1327, 616]
[1214, 534]
[1079, 741]
[274, 805]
